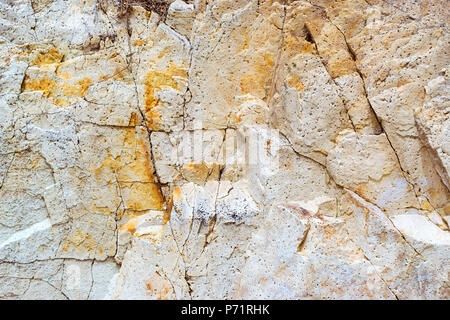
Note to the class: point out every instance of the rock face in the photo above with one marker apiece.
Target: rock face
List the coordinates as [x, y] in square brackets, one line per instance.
[227, 149]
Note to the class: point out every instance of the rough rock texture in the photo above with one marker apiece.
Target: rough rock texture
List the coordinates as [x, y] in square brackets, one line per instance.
[224, 149]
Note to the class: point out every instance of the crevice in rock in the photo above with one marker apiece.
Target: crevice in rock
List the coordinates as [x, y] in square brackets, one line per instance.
[353, 55]
[143, 116]
[375, 269]
[368, 203]
[405, 174]
[92, 280]
[277, 59]
[302, 243]
[311, 37]
[7, 170]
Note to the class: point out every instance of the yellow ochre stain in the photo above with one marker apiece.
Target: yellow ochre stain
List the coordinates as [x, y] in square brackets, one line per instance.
[51, 57]
[136, 179]
[60, 102]
[294, 82]
[154, 82]
[269, 60]
[48, 87]
[79, 89]
[142, 196]
[308, 47]
[130, 226]
[80, 241]
[63, 75]
[255, 81]
[55, 91]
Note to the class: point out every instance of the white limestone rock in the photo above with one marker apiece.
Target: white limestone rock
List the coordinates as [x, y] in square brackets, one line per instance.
[224, 150]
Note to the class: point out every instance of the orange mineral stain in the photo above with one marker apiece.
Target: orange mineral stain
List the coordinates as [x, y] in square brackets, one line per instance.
[138, 42]
[168, 210]
[132, 121]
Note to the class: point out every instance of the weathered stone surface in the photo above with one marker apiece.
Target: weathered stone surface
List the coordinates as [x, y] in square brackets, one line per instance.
[228, 149]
